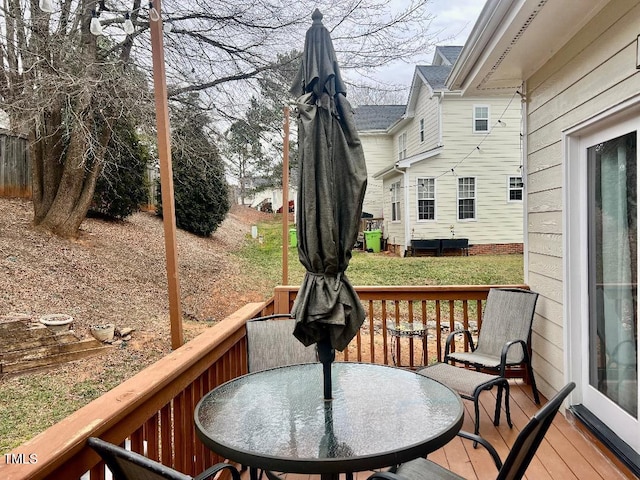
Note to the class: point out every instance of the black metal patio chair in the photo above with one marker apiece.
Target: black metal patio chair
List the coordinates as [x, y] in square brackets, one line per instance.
[127, 465]
[514, 466]
[503, 341]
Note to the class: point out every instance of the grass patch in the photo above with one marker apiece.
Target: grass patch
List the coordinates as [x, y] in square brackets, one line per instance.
[33, 402]
[265, 259]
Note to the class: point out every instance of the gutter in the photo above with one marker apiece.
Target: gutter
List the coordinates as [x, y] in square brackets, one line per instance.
[475, 48]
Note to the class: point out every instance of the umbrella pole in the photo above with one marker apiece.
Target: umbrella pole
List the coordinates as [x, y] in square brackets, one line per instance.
[326, 355]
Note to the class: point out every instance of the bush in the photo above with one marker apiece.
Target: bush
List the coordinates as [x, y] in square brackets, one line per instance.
[122, 186]
[200, 188]
[200, 194]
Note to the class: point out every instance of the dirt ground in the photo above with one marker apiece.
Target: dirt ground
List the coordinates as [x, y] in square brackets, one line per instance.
[115, 271]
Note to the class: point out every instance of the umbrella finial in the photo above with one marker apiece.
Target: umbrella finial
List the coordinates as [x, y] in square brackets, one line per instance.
[316, 16]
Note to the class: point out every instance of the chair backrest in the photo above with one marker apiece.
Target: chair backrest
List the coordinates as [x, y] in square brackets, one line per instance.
[127, 465]
[529, 439]
[270, 344]
[508, 315]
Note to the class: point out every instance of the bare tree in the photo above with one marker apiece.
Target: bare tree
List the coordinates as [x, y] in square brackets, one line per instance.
[65, 87]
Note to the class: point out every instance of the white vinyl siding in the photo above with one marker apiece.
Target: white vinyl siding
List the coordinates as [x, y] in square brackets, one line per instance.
[426, 193]
[378, 149]
[594, 71]
[426, 136]
[480, 118]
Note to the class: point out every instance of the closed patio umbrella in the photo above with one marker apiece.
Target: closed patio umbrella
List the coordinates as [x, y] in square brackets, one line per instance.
[332, 183]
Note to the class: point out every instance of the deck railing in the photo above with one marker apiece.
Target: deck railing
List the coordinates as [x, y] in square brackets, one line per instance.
[152, 412]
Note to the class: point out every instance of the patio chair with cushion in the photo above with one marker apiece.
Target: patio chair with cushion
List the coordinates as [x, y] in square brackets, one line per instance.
[127, 465]
[270, 343]
[503, 341]
[514, 466]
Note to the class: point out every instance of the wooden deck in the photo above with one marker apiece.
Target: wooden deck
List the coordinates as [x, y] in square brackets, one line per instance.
[565, 454]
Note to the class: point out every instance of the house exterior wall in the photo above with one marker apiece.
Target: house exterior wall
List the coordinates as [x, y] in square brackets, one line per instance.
[394, 231]
[427, 109]
[591, 73]
[378, 150]
[498, 222]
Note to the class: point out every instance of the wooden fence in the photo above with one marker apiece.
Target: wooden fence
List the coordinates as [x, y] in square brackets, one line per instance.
[15, 169]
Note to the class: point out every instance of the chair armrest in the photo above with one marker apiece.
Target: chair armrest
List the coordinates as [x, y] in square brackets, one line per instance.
[385, 476]
[477, 438]
[450, 337]
[212, 471]
[505, 351]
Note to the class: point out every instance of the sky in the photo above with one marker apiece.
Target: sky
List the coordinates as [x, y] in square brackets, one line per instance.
[455, 18]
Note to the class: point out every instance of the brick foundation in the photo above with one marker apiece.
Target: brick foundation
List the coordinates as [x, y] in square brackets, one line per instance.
[485, 249]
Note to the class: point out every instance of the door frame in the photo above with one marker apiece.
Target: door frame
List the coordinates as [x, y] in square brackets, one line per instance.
[575, 243]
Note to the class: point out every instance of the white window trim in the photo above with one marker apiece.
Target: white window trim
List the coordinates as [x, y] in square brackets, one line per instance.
[475, 201]
[488, 118]
[421, 130]
[398, 201]
[509, 177]
[435, 202]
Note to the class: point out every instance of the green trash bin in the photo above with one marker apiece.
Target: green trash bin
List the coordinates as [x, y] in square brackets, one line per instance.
[372, 240]
[293, 237]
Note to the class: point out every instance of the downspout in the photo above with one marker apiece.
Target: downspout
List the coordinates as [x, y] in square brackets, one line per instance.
[525, 215]
[406, 206]
[440, 98]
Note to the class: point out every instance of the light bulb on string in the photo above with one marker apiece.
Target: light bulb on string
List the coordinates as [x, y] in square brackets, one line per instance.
[95, 27]
[46, 6]
[128, 25]
[167, 27]
[154, 16]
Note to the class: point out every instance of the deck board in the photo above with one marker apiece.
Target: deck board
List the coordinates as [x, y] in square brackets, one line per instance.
[565, 453]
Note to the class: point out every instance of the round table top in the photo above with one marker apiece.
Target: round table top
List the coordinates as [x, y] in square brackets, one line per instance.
[278, 419]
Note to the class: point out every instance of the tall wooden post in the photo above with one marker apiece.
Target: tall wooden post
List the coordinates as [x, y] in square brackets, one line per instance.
[285, 200]
[166, 179]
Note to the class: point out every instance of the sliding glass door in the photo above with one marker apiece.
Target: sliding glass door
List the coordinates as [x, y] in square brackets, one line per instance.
[610, 338]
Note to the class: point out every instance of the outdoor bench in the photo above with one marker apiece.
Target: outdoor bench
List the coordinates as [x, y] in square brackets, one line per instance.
[439, 245]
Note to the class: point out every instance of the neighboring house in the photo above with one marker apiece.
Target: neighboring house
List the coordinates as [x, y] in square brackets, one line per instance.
[577, 63]
[449, 166]
[373, 122]
[270, 199]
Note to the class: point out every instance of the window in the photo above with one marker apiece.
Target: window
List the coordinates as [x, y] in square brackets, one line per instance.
[402, 146]
[466, 198]
[426, 199]
[480, 119]
[421, 130]
[395, 201]
[516, 188]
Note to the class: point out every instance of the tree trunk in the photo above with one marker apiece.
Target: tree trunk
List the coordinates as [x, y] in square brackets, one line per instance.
[63, 188]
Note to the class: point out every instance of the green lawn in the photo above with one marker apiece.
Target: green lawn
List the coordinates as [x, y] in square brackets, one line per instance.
[265, 259]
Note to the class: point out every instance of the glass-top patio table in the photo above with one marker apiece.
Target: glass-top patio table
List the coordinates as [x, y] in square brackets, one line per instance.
[278, 420]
